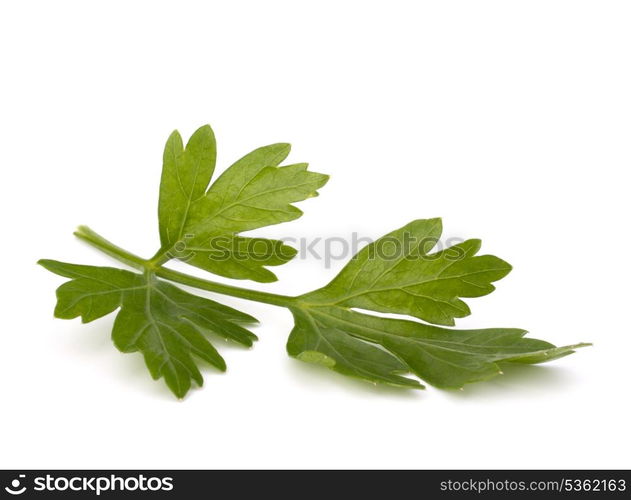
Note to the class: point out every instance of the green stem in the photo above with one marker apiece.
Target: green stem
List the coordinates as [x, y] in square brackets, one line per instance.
[161, 257]
[233, 291]
[96, 240]
[89, 236]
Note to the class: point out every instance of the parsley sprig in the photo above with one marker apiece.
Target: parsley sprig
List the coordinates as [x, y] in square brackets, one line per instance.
[201, 223]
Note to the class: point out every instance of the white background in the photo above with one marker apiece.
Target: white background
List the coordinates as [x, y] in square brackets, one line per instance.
[509, 119]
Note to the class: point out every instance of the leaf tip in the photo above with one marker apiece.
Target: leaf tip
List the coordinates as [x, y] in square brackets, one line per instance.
[581, 344]
[205, 129]
[266, 276]
[434, 224]
[288, 252]
[323, 179]
[175, 134]
[47, 264]
[474, 245]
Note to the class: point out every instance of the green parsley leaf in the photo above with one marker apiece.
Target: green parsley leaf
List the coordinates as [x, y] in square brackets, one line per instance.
[397, 274]
[380, 350]
[185, 176]
[201, 226]
[166, 324]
